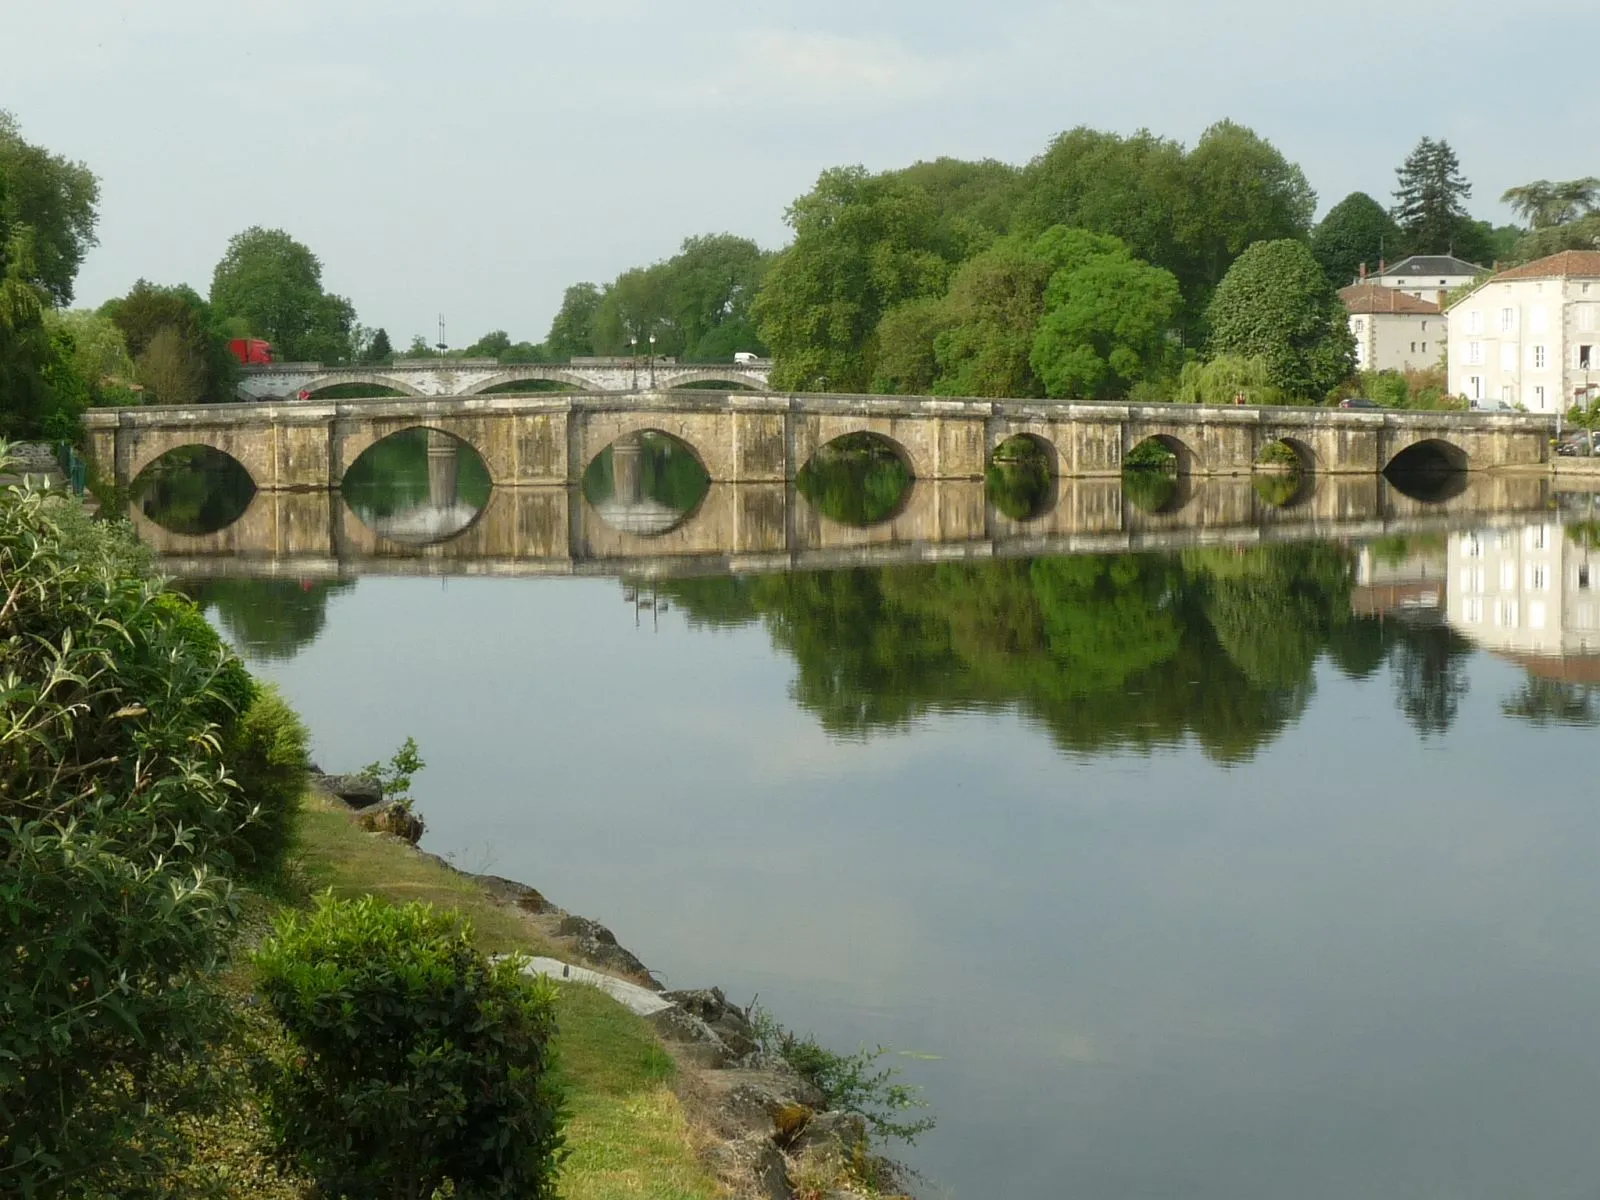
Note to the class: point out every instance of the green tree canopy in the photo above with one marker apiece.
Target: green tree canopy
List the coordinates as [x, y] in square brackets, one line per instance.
[54, 198]
[1356, 230]
[572, 330]
[100, 351]
[862, 244]
[1277, 305]
[1106, 326]
[992, 316]
[149, 308]
[273, 284]
[1430, 198]
[1543, 204]
[379, 349]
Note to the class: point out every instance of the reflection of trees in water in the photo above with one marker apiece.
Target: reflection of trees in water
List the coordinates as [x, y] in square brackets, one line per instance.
[268, 618]
[193, 491]
[1430, 674]
[1554, 702]
[857, 479]
[1132, 651]
[1149, 491]
[391, 477]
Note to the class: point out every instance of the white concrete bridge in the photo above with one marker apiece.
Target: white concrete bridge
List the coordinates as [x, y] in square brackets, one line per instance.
[474, 376]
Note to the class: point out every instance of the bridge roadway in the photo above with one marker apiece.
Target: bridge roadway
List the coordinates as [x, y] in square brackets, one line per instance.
[758, 528]
[550, 439]
[473, 376]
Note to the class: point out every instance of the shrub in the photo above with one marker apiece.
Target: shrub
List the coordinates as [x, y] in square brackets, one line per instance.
[415, 1063]
[266, 752]
[115, 816]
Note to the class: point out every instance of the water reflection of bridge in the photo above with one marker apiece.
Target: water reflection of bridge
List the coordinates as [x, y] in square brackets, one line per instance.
[740, 528]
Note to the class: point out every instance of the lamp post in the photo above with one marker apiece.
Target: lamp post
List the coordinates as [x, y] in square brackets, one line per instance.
[652, 362]
[633, 358]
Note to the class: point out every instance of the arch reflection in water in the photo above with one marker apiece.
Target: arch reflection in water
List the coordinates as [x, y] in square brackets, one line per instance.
[193, 490]
[417, 487]
[858, 479]
[645, 483]
[1430, 471]
[1021, 478]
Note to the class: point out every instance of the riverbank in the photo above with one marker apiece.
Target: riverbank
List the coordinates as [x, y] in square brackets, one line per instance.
[681, 1105]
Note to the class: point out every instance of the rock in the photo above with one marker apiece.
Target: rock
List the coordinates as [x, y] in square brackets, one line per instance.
[731, 1027]
[509, 891]
[358, 791]
[771, 1172]
[599, 945]
[830, 1133]
[394, 819]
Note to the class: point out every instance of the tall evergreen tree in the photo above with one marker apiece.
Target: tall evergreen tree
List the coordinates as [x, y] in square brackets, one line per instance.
[1429, 197]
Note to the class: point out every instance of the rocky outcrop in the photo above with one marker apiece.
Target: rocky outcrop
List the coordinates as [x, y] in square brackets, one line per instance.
[356, 791]
[391, 818]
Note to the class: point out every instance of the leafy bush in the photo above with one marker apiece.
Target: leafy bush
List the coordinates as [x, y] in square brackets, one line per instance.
[395, 776]
[416, 1063]
[115, 820]
[853, 1083]
[265, 748]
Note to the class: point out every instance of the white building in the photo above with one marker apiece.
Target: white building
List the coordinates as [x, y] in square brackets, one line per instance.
[1427, 276]
[1530, 335]
[1394, 330]
[1532, 591]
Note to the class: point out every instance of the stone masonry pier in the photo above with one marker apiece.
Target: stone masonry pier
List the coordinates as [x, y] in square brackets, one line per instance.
[548, 439]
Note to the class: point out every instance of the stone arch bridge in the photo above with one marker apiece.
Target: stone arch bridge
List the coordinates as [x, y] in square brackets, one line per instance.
[472, 376]
[744, 438]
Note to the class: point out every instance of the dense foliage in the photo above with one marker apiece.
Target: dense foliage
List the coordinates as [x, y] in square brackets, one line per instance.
[1357, 232]
[271, 285]
[119, 827]
[414, 1062]
[1276, 305]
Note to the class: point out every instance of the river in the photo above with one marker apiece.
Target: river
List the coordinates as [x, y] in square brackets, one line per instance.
[1242, 858]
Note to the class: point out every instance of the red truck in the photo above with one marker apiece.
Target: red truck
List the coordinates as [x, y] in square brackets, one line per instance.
[252, 352]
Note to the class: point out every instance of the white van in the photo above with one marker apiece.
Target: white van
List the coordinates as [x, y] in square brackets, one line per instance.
[744, 357]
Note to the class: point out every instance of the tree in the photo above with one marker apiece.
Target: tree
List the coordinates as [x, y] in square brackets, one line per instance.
[1429, 198]
[1276, 304]
[420, 348]
[862, 244]
[572, 331]
[100, 351]
[992, 316]
[378, 349]
[1543, 204]
[906, 364]
[1225, 378]
[1241, 190]
[170, 370]
[711, 285]
[274, 284]
[1356, 230]
[1106, 324]
[149, 308]
[491, 345]
[54, 198]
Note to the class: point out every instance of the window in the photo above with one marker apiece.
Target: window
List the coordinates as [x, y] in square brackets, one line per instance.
[1585, 357]
[1361, 324]
[1508, 393]
[1472, 548]
[1472, 610]
[1474, 322]
[1583, 575]
[1586, 316]
[1441, 283]
[1474, 353]
[1507, 613]
[1424, 347]
[1413, 347]
[1475, 386]
[1538, 577]
[1540, 357]
[1538, 397]
[1508, 356]
[1536, 537]
[1424, 327]
[1508, 320]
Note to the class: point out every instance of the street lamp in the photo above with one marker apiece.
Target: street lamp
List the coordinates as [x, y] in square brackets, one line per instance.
[633, 358]
[652, 362]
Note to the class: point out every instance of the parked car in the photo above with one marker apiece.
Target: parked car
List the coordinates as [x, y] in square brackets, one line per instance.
[1577, 445]
[1358, 402]
[1492, 406]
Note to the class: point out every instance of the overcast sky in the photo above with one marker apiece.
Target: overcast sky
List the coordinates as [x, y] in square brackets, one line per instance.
[474, 157]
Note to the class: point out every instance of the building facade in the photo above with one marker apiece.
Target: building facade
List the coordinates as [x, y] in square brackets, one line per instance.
[1427, 276]
[1530, 336]
[1394, 330]
[1532, 591]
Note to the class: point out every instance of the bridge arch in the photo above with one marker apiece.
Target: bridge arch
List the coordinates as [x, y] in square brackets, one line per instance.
[1427, 454]
[527, 374]
[1024, 444]
[251, 453]
[1307, 459]
[376, 378]
[678, 377]
[367, 434]
[1189, 460]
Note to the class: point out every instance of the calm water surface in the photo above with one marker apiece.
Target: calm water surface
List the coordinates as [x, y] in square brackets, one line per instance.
[1233, 871]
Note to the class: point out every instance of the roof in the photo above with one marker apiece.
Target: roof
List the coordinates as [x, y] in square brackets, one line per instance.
[1558, 266]
[1375, 298]
[1432, 264]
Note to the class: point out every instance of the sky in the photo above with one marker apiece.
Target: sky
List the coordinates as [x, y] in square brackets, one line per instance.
[474, 158]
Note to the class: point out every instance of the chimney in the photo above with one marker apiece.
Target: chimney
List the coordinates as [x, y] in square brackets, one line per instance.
[1363, 272]
[1383, 267]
